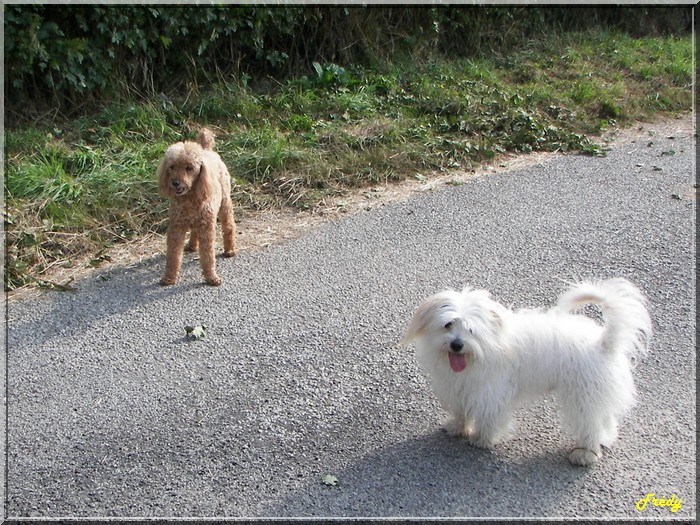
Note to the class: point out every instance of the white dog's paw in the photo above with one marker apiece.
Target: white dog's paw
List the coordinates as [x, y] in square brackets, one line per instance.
[480, 441]
[583, 457]
[454, 427]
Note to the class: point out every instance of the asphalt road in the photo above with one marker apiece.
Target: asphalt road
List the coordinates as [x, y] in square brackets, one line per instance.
[112, 412]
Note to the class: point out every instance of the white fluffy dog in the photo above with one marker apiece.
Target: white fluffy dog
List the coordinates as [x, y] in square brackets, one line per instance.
[484, 359]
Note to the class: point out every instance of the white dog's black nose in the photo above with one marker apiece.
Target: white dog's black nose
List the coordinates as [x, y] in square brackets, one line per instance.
[456, 345]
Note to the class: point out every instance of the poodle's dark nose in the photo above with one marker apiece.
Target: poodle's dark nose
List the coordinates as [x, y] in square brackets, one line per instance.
[176, 184]
[456, 345]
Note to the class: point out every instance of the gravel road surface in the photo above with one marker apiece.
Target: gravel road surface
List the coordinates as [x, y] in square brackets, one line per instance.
[112, 412]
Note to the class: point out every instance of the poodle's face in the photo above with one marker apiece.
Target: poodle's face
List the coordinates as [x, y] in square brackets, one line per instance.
[181, 168]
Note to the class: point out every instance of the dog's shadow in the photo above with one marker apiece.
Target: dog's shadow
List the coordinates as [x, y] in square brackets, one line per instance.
[435, 475]
[117, 290]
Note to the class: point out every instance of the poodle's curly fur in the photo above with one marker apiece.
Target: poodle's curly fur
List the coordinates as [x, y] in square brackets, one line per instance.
[198, 184]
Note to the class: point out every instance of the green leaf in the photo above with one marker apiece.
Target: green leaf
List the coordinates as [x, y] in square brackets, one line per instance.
[330, 480]
[195, 333]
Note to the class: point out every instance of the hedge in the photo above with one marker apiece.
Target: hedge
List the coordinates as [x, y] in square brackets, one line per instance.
[61, 56]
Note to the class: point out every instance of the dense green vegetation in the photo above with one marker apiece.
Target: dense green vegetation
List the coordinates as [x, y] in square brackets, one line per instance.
[76, 185]
[65, 55]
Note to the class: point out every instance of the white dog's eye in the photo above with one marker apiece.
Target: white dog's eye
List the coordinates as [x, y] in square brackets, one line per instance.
[449, 325]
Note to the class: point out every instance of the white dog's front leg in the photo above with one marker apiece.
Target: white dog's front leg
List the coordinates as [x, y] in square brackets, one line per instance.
[480, 440]
[455, 427]
[490, 429]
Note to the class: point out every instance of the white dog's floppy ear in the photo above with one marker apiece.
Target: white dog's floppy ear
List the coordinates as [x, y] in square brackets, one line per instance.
[416, 325]
[422, 317]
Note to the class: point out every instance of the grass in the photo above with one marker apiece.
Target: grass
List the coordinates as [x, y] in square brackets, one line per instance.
[76, 187]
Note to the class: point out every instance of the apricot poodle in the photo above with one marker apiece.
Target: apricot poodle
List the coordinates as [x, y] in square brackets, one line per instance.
[198, 184]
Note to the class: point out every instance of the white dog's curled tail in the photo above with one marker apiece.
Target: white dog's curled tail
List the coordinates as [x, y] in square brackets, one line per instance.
[625, 314]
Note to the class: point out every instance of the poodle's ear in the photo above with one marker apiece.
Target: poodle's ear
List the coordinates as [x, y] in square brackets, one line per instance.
[205, 186]
[164, 187]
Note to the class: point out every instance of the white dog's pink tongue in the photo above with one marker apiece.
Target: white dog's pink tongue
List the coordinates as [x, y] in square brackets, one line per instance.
[457, 362]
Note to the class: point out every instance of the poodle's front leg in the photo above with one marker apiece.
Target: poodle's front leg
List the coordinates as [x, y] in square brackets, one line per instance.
[175, 244]
[193, 244]
[207, 253]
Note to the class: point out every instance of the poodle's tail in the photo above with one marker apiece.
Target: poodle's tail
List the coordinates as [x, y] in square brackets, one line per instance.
[205, 138]
[627, 321]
